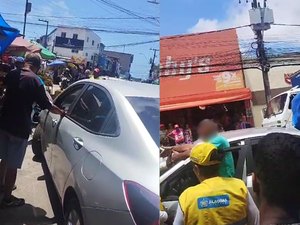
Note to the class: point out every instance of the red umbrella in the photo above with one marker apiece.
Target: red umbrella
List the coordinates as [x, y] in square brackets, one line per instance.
[21, 46]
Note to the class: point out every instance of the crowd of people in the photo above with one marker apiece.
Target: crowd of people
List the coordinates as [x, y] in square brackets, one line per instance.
[175, 135]
[219, 198]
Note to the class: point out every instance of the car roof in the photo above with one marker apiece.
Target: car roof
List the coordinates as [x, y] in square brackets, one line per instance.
[257, 132]
[235, 136]
[127, 88]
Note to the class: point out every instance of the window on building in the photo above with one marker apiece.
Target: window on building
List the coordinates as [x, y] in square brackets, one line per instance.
[86, 54]
[74, 51]
[75, 36]
[98, 45]
[87, 39]
[63, 34]
[92, 57]
[93, 42]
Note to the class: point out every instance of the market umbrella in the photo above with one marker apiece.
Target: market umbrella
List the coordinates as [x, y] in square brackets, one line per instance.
[21, 46]
[57, 63]
[7, 35]
[45, 53]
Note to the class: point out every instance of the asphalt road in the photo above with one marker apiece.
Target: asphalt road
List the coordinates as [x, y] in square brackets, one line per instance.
[42, 205]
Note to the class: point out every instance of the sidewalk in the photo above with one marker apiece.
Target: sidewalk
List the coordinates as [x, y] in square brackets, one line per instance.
[32, 186]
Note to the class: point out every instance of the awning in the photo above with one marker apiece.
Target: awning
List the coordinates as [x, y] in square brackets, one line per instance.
[21, 46]
[213, 98]
[177, 93]
[45, 53]
[7, 35]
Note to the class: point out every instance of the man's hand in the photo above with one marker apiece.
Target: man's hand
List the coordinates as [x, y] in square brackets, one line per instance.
[178, 156]
[183, 148]
[58, 111]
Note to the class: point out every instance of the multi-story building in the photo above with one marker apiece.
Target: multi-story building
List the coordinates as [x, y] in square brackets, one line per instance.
[124, 59]
[71, 41]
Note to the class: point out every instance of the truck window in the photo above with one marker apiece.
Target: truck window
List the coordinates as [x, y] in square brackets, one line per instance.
[276, 106]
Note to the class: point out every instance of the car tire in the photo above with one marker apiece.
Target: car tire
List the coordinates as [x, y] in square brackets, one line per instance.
[36, 141]
[73, 215]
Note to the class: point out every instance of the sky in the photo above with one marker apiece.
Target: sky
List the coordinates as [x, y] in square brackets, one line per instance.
[76, 9]
[196, 16]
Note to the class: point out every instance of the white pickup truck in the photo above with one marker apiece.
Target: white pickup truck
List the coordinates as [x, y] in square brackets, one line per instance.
[278, 112]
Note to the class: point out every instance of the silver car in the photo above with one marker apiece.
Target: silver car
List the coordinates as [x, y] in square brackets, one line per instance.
[103, 155]
[243, 145]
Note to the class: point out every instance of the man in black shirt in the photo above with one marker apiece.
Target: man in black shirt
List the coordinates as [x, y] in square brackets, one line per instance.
[23, 89]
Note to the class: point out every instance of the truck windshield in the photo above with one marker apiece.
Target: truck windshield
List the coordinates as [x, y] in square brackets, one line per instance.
[276, 106]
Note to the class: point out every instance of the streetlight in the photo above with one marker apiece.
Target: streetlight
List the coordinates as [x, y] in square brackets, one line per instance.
[46, 36]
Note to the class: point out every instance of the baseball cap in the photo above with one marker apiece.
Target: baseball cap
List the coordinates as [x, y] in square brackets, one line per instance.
[201, 154]
[20, 59]
[96, 70]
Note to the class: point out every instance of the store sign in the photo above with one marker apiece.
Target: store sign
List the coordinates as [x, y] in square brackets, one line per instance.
[69, 43]
[185, 67]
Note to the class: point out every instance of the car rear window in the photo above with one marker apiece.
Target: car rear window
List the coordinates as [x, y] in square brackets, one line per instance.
[148, 111]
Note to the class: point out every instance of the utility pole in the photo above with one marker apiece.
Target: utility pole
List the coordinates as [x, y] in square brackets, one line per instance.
[27, 10]
[46, 36]
[261, 19]
[152, 62]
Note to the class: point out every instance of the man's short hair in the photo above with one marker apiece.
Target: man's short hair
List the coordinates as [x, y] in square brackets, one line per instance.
[277, 167]
[33, 59]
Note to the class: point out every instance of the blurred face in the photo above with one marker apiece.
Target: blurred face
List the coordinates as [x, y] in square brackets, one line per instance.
[206, 130]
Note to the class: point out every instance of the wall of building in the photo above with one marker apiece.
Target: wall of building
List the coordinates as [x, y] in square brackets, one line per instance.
[254, 81]
[125, 59]
[91, 43]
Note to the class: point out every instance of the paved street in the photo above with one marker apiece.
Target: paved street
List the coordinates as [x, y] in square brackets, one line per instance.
[32, 186]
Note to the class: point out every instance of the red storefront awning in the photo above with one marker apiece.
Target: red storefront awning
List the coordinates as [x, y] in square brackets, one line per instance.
[201, 70]
[170, 101]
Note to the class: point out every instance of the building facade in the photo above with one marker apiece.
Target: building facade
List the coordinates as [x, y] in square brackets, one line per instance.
[75, 42]
[124, 59]
[201, 77]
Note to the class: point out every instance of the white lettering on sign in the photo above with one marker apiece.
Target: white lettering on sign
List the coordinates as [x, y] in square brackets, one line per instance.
[185, 67]
[227, 78]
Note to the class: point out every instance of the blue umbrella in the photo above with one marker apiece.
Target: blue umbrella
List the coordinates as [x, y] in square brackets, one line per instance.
[7, 35]
[57, 63]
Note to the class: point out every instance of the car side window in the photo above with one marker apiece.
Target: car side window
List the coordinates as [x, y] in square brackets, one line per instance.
[67, 99]
[93, 110]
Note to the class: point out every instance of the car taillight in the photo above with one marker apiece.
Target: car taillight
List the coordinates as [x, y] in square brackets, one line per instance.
[142, 203]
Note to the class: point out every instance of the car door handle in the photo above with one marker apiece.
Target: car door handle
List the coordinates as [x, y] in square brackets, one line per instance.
[54, 122]
[77, 143]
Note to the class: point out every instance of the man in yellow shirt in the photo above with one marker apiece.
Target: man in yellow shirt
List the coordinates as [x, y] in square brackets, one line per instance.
[216, 200]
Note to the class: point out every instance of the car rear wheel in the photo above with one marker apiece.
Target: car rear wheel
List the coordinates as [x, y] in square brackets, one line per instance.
[73, 214]
[36, 141]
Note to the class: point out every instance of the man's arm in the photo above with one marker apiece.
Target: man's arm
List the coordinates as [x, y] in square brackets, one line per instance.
[252, 211]
[179, 218]
[44, 101]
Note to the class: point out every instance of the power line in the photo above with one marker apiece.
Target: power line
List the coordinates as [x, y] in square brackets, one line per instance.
[132, 44]
[136, 32]
[83, 18]
[124, 10]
